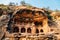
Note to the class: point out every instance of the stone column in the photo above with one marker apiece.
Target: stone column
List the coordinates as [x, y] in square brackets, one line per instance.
[33, 30]
[45, 26]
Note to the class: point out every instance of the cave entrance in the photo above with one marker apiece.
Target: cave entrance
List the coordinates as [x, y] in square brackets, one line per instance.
[15, 29]
[29, 30]
[23, 30]
[37, 31]
[41, 30]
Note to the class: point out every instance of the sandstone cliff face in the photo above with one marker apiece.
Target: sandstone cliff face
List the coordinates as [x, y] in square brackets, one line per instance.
[27, 22]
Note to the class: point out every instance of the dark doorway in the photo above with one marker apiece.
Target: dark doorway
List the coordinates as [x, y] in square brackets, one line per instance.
[37, 31]
[23, 30]
[29, 30]
[15, 29]
[41, 30]
[38, 23]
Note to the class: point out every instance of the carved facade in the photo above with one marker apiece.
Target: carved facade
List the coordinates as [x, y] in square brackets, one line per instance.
[29, 24]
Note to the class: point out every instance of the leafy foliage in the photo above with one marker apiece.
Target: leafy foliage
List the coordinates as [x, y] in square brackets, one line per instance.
[25, 4]
[11, 4]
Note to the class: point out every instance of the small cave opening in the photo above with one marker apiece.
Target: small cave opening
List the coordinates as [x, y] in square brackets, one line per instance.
[41, 30]
[38, 23]
[23, 30]
[29, 30]
[15, 29]
[37, 31]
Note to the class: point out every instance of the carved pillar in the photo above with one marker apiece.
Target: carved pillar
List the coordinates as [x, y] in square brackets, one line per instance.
[45, 26]
[33, 30]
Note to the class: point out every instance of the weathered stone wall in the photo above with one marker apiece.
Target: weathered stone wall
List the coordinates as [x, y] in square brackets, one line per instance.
[29, 24]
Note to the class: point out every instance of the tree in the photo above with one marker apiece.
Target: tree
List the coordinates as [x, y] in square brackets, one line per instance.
[23, 3]
[11, 4]
[16, 3]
